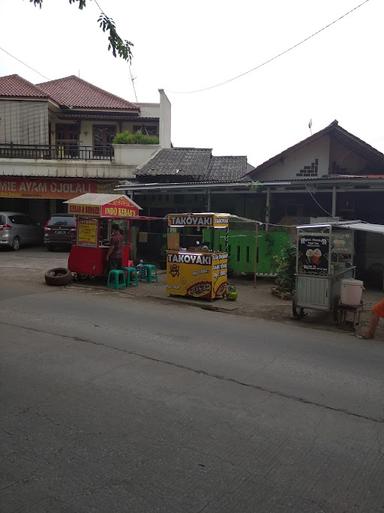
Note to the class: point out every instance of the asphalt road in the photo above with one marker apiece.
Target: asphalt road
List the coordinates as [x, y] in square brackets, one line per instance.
[113, 405]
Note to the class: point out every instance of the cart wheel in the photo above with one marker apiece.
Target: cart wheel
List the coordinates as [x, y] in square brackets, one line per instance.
[297, 312]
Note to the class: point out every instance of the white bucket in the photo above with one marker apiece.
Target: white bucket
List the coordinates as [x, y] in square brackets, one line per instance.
[351, 292]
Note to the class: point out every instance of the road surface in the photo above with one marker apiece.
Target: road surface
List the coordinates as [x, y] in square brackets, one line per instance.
[113, 405]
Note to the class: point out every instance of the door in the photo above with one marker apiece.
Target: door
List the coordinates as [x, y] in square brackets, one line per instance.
[67, 139]
[103, 136]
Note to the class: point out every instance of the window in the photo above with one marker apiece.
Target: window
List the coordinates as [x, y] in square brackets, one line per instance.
[146, 129]
[62, 221]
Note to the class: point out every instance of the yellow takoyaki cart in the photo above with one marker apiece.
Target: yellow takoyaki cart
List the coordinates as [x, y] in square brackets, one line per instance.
[193, 269]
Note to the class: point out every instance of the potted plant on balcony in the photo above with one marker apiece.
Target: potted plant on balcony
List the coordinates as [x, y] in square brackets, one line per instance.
[134, 148]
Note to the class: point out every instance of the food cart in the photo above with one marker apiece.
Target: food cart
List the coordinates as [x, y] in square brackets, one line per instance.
[95, 214]
[324, 257]
[195, 270]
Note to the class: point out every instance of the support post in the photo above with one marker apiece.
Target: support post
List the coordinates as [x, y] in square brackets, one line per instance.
[208, 200]
[334, 198]
[256, 251]
[268, 209]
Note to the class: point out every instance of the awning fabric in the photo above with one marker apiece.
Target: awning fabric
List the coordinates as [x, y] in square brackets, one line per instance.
[365, 227]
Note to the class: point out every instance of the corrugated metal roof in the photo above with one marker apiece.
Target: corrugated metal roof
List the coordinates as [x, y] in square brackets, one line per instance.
[366, 227]
[73, 92]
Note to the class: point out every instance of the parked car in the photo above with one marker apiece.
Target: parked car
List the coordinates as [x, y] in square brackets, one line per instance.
[18, 229]
[60, 231]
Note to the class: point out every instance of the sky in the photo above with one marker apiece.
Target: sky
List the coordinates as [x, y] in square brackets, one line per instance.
[183, 45]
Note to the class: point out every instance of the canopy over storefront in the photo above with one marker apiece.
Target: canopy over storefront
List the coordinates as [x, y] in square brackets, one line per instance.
[357, 225]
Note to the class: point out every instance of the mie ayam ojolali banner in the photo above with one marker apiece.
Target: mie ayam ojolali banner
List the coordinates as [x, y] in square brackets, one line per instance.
[45, 188]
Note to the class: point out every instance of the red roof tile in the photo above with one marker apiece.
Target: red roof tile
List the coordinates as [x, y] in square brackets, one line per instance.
[74, 92]
[13, 86]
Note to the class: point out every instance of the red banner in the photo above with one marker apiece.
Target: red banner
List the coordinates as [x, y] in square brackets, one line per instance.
[46, 188]
[122, 207]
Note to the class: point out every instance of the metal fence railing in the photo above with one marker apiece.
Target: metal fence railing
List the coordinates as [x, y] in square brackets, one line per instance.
[55, 152]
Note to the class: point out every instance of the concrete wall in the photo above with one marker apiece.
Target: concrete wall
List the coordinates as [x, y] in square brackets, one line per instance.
[149, 110]
[343, 160]
[23, 122]
[309, 161]
[66, 169]
[165, 120]
[134, 154]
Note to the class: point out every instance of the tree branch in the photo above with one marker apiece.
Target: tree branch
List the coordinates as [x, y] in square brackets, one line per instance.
[119, 47]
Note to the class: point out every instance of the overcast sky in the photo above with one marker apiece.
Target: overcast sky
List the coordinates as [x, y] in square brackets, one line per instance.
[182, 45]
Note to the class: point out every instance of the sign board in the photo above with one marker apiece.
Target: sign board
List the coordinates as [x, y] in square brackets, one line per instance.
[120, 208]
[87, 232]
[313, 254]
[84, 210]
[45, 188]
[203, 220]
[199, 275]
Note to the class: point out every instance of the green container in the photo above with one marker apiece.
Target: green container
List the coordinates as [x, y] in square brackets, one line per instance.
[242, 249]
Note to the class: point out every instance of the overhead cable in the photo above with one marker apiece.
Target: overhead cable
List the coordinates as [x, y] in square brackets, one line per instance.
[271, 59]
[24, 63]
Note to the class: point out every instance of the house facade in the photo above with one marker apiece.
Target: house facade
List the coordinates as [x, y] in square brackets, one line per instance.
[56, 141]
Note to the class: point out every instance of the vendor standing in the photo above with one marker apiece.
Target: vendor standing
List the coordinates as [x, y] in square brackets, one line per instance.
[115, 251]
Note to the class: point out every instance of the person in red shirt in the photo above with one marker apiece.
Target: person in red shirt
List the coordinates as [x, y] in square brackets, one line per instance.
[114, 254]
[376, 314]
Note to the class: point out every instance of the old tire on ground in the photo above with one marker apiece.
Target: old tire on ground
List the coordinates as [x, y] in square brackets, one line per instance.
[58, 276]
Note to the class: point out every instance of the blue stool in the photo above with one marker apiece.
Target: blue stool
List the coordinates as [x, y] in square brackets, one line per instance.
[116, 279]
[131, 276]
[150, 273]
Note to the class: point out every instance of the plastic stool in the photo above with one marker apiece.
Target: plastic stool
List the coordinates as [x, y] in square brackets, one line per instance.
[150, 273]
[116, 279]
[131, 276]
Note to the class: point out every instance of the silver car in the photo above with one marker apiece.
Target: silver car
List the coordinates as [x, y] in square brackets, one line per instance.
[17, 229]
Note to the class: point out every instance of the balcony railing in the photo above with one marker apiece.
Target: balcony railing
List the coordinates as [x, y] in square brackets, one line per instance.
[55, 152]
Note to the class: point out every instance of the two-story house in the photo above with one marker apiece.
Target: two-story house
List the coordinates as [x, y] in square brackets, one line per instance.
[56, 141]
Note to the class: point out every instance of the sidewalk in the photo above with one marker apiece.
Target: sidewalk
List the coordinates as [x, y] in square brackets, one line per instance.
[254, 300]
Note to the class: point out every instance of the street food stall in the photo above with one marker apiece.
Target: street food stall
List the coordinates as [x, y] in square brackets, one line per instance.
[193, 268]
[95, 214]
[324, 266]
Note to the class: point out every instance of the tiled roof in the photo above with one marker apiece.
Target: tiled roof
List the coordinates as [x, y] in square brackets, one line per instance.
[73, 92]
[222, 169]
[14, 86]
[196, 163]
[180, 162]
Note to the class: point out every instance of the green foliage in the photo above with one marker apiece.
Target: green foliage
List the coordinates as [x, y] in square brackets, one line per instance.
[119, 47]
[127, 137]
[285, 269]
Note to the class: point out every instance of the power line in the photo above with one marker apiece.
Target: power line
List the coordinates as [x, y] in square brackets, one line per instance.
[271, 59]
[317, 203]
[23, 63]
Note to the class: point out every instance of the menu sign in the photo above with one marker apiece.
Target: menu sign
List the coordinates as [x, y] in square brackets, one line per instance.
[87, 232]
[314, 254]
